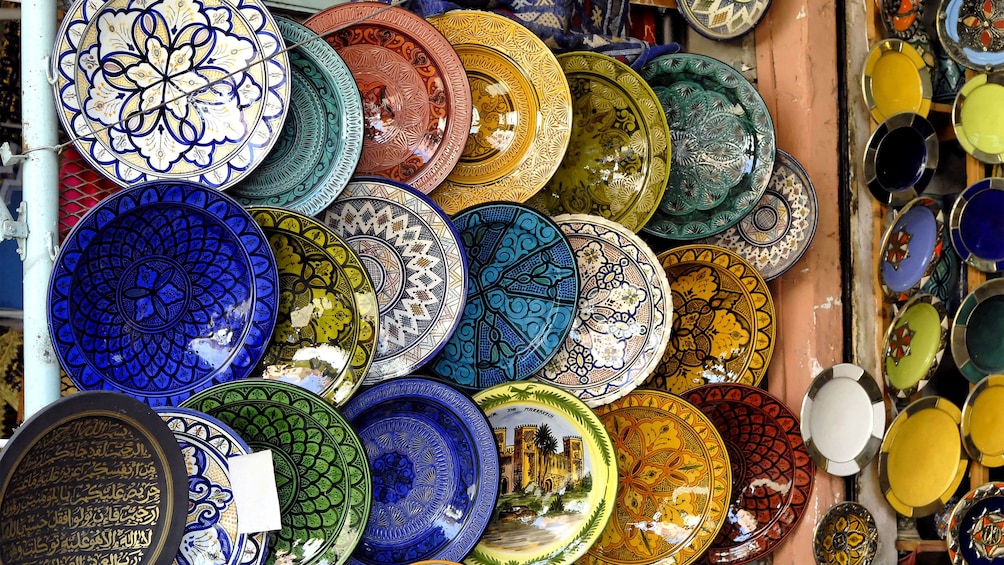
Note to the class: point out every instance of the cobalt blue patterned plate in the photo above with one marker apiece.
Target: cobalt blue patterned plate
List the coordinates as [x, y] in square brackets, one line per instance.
[435, 469]
[974, 528]
[521, 296]
[976, 227]
[911, 248]
[161, 291]
[211, 530]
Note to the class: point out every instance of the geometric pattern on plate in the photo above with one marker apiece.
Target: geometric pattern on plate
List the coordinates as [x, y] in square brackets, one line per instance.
[723, 19]
[972, 33]
[910, 248]
[846, 535]
[975, 533]
[914, 345]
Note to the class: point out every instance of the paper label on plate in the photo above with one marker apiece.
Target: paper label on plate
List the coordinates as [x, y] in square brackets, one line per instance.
[252, 478]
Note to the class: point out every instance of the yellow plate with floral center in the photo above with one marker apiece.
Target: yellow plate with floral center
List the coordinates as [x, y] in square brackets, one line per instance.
[723, 323]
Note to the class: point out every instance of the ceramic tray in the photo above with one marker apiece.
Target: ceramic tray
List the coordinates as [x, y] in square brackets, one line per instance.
[418, 266]
[975, 225]
[976, 110]
[843, 419]
[95, 476]
[846, 535]
[983, 422]
[725, 19]
[978, 332]
[558, 512]
[521, 298]
[523, 111]
[326, 333]
[415, 95]
[321, 471]
[618, 158]
[723, 145]
[973, 535]
[914, 345]
[723, 324]
[160, 291]
[896, 79]
[910, 249]
[322, 138]
[901, 158]
[435, 469]
[972, 33]
[673, 475]
[211, 119]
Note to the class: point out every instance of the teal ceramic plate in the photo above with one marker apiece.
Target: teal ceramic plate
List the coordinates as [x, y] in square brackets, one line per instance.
[978, 332]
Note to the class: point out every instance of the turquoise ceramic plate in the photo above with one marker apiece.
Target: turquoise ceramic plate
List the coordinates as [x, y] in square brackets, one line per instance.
[978, 333]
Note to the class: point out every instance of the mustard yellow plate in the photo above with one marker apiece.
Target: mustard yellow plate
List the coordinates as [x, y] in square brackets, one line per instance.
[978, 116]
[922, 461]
[895, 80]
[522, 111]
[983, 422]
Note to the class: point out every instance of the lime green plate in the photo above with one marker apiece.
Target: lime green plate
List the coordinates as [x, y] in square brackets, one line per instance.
[978, 116]
[914, 344]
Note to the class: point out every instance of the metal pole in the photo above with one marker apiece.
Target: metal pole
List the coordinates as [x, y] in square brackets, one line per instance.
[41, 194]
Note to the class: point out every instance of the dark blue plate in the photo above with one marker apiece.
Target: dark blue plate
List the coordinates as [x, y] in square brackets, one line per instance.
[901, 158]
[911, 248]
[521, 296]
[161, 291]
[435, 469]
[977, 225]
[973, 535]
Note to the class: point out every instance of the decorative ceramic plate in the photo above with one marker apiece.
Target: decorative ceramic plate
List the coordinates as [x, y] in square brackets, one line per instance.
[846, 535]
[523, 111]
[80, 189]
[914, 345]
[983, 422]
[416, 99]
[619, 154]
[723, 322]
[922, 461]
[974, 527]
[910, 248]
[92, 476]
[161, 291]
[724, 19]
[976, 112]
[435, 470]
[327, 330]
[723, 145]
[972, 33]
[896, 79]
[211, 530]
[322, 138]
[775, 234]
[978, 332]
[674, 481]
[901, 158]
[772, 473]
[413, 254]
[976, 227]
[321, 471]
[624, 314]
[521, 296]
[559, 476]
[906, 20]
[171, 90]
[843, 419]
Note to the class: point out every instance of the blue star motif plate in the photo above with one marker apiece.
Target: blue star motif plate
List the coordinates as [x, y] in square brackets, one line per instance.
[435, 469]
[161, 291]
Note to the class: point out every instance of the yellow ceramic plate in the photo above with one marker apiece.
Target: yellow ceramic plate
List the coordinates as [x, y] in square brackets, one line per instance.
[723, 321]
[674, 475]
[983, 422]
[522, 111]
[895, 80]
[978, 116]
[922, 461]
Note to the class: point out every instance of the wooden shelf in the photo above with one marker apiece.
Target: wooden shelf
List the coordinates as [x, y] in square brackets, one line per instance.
[941, 108]
[922, 545]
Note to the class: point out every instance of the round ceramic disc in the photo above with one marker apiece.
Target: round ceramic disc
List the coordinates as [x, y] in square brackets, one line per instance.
[521, 296]
[322, 138]
[976, 227]
[910, 248]
[415, 95]
[846, 535]
[775, 234]
[914, 345]
[624, 315]
[418, 266]
[901, 158]
[618, 158]
[674, 475]
[978, 332]
[211, 531]
[435, 470]
[970, 33]
[321, 472]
[327, 329]
[977, 111]
[922, 461]
[558, 487]
[896, 79]
[974, 527]
[843, 419]
[162, 290]
[983, 422]
[723, 20]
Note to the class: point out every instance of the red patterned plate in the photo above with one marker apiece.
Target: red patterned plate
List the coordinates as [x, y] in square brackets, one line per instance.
[771, 470]
[80, 188]
[416, 96]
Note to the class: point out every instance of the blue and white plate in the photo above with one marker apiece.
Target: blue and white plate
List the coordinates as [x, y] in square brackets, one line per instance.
[973, 535]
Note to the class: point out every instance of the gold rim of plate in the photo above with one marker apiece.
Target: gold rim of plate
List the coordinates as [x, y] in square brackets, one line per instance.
[965, 137]
[976, 453]
[895, 47]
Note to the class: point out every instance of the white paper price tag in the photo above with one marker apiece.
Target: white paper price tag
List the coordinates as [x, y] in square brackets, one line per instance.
[252, 478]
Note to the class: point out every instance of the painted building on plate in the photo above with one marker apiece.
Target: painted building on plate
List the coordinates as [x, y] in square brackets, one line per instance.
[521, 461]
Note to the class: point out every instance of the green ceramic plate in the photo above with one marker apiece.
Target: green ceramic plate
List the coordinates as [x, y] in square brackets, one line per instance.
[978, 332]
[914, 345]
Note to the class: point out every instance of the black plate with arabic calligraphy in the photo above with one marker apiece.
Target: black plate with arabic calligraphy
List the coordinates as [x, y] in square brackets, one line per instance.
[93, 476]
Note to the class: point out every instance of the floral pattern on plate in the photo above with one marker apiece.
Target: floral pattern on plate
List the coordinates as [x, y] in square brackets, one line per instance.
[723, 19]
[846, 535]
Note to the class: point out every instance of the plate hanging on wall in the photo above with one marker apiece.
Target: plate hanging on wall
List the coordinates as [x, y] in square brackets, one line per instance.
[972, 33]
[846, 535]
[914, 345]
[910, 249]
[978, 332]
[725, 19]
[977, 115]
[895, 80]
[973, 535]
[982, 422]
[976, 227]
[901, 158]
